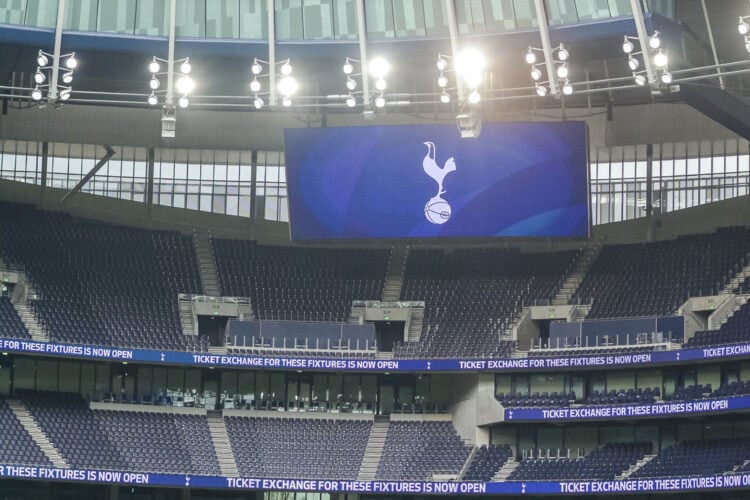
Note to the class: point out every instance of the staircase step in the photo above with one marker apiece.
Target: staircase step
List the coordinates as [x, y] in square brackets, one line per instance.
[40, 438]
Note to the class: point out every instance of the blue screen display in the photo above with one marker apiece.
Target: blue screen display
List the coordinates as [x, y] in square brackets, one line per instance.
[421, 181]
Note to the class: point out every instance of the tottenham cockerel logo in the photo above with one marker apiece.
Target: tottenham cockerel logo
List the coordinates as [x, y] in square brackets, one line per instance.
[437, 210]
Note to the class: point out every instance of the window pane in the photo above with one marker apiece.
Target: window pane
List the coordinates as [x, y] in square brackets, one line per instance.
[222, 18]
[152, 18]
[118, 18]
[561, 11]
[253, 19]
[289, 19]
[80, 15]
[318, 19]
[435, 17]
[191, 18]
[12, 11]
[409, 17]
[379, 15]
[499, 15]
[345, 19]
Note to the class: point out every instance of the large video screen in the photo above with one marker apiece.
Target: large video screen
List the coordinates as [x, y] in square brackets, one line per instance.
[424, 181]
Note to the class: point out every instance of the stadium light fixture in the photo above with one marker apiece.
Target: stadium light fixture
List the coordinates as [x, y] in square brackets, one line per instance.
[743, 28]
[184, 84]
[627, 45]
[654, 41]
[660, 59]
[561, 56]
[49, 68]
[286, 85]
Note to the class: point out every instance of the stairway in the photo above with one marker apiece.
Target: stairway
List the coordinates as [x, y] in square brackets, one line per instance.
[740, 301]
[222, 446]
[505, 471]
[29, 320]
[374, 450]
[245, 312]
[640, 463]
[206, 263]
[394, 277]
[36, 433]
[415, 324]
[589, 253]
[736, 281]
[467, 463]
[187, 319]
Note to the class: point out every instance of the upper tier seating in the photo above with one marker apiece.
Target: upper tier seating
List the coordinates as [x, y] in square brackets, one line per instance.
[486, 462]
[11, 325]
[733, 331]
[654, 279]
[297, 283]
[418, 450]
[605, 463]
[473, 295]
[18, 447]
[299, 448]
[103, 284]
[123, 440]
[702, 458]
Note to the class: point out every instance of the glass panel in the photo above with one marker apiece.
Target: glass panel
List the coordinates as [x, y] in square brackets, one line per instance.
[152, 18]
[561, 12]
[289, 20]
[379, 15]
[253, 19]
[222, 18]
[117, 18]
[525, 14]
[499, 15]
[620, 8]
[435, 16]
[345, 19]
[592, 9]
[12, 11]
[409, 17]
[191, 18]
[318, 19]
[80, 15]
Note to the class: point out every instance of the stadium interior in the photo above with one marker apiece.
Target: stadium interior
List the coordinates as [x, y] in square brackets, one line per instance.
[163, 335]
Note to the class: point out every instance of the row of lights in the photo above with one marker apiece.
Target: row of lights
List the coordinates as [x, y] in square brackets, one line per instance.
[562, 71]
[659, 58]
[43, 67]
[468, 66]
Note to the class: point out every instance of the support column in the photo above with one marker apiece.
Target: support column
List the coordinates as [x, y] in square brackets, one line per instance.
[45, 159]
[549, 61]
[713, 44]
[362, 37]
[169, 97]
[649, 180]
[52, 91]
[271, 12]
[450, 10]
[640, 27]
[150, 180]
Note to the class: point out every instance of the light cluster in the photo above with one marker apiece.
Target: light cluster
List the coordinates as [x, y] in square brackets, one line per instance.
[184, 84]
[287, 86]
[561, 68]
[378, 68]
[68, 63]
[658, 57]
[744, 29]
[468, 70]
